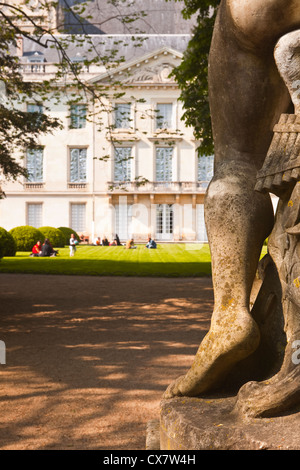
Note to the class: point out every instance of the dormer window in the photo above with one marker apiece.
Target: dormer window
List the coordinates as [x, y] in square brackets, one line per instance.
[36, 60]
[78, 63]
[36, 57]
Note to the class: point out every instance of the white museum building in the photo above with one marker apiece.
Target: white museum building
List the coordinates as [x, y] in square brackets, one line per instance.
[151, 181]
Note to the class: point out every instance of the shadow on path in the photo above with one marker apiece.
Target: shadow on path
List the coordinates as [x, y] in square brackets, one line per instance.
[87, 358]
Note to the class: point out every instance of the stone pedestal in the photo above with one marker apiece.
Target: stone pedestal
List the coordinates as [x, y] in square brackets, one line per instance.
[209, 424]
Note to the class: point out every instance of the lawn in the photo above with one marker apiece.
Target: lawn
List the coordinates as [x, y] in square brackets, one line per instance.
[168, 260]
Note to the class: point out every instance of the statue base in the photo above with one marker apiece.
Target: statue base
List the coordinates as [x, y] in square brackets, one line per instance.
[209, 424]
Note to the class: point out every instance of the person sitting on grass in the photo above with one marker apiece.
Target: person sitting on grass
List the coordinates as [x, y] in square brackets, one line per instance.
[105, 242]
[151, 243]
[37, 249]
[130, 244]
[47, 249]
[118, 240]
[97, 241]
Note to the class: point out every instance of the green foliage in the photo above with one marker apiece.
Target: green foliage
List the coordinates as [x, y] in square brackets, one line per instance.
[25, 237]
[55, 236]
[67, 234]
[7, 243]
[191, 74]
[2, 242]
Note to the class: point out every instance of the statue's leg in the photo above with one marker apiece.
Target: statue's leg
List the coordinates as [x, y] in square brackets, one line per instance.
[281, 392]
[238, 220]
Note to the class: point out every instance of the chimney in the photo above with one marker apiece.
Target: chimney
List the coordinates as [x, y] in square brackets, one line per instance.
[20, 46]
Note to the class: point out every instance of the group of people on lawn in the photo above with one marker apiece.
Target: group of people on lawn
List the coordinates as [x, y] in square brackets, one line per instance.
[46, 249]
[105, 242]
[116, 242]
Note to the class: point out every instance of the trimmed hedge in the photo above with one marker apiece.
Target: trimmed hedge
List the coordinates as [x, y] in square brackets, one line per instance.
[26, 237]
[67, 231]
[7, 243]
[55, 235]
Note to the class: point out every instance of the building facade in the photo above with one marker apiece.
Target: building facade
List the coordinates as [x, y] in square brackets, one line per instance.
[153, 181]
[138, 174]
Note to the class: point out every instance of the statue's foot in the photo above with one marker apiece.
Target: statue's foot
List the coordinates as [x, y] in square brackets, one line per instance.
[274, 396]
[232, 337]
[269, 398]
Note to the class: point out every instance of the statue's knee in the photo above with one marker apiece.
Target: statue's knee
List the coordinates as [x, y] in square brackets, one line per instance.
[231, 184]
[231, 196]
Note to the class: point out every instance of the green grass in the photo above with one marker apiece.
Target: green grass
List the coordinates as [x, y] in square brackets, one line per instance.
[168, 260]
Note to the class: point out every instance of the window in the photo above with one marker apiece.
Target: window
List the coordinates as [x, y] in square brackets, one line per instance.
[122, 116]
[36, 61]
[164, 116]
[36, 57]
[205, 167]
[78, 165]
[79, 64]
[78, 218]
[34, 108]
[201, 228]
[164, 163]
[78, 116]
[123, 214]
[34, 215]
[34, 165]
[164, 221]
[122, 167]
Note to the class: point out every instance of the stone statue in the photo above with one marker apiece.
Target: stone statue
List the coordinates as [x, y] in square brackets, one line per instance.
[248, 96]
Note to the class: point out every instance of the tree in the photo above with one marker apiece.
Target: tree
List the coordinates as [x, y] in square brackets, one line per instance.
[32, 19]
[18, 129]
[191, 74]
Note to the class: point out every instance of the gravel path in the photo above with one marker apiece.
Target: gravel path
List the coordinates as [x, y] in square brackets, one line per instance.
[88, 358]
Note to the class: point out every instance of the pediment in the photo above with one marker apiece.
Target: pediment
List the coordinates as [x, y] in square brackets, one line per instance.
[150, 69]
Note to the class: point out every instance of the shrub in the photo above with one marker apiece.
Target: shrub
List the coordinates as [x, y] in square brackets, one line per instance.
[56, 236]
[2, 245]
[25, 237]
[67, 233]
[7, 243]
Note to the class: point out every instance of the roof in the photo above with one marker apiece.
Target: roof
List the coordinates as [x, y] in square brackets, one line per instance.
[154, 67]
[103, 17]
[125, 46]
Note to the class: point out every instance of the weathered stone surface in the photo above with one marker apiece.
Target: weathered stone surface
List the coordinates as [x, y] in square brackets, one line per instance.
[287, 56]
[247, 91]
[247, 97]
[153, 435]
[282, 164]
[210, 424]
[254, 350]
